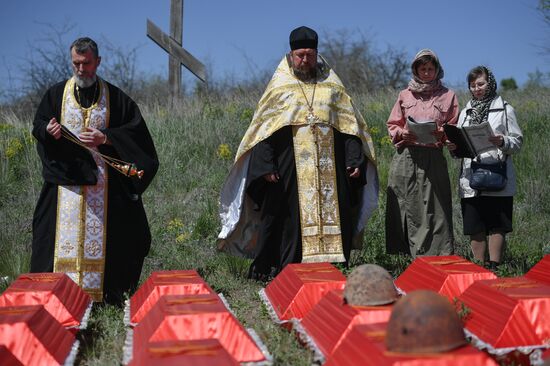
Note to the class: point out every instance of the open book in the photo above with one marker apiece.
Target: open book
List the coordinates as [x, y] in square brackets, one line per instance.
[471, 140]
[423, 130]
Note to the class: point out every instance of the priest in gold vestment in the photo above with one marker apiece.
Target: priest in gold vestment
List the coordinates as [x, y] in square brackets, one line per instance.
[304, 181]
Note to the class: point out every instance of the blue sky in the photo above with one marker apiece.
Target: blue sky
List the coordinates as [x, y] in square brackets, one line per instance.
[232, 35]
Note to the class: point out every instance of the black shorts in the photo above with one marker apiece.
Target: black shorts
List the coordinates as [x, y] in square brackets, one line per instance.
[487, 214]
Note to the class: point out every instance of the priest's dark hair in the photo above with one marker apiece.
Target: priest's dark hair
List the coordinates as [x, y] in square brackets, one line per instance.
[83, 44]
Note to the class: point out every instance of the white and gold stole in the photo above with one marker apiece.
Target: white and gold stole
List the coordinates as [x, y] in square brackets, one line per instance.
[81, 226]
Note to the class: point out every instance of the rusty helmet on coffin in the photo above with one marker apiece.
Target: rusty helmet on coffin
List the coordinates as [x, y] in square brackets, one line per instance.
[424, 321]
[368, 285]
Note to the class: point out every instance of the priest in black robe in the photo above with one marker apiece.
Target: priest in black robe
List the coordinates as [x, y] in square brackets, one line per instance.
[304, 180]
[89, 221]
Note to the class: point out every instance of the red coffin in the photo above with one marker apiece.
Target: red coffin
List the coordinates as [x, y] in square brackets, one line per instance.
[32, 336]
[184, 282]
[192, 317]
[59, 295]
[364, 345]
[201, 352]
[508, 313]
[541, 270]
[446, 275]
[299, 286]
[329, 322]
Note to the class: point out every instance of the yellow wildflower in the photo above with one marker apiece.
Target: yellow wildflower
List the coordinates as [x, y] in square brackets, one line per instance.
[182, 237]
[374, 131]
[385, 140]
[224, 152]
[162, 113]
[175, 225]
[14, 147]
[376, 107]
[5, 127]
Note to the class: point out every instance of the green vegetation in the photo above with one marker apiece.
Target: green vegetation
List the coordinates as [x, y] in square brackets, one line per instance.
[508, 84]
[196, 143]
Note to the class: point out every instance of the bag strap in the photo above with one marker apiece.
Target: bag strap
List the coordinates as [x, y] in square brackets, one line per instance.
[504, 104]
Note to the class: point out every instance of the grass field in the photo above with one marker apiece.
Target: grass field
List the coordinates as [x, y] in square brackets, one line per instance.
[196, 142]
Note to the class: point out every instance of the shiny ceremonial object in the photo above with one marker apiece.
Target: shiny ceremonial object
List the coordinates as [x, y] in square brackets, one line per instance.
[127, 169]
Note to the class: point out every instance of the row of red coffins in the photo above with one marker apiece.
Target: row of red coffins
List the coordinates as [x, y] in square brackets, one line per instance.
[310, 297]
[176, 318]
[40, 314]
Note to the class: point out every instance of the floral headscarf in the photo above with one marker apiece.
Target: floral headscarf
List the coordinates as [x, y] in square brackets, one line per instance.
[417, 85]
[480, 107]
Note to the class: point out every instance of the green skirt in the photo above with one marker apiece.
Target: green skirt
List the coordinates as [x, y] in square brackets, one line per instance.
[418, 207]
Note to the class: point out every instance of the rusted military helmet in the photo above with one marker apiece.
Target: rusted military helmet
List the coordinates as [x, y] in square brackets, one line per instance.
[424, 321]
[368, 285]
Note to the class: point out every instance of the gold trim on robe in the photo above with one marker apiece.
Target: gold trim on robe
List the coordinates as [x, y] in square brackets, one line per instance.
[81, 225]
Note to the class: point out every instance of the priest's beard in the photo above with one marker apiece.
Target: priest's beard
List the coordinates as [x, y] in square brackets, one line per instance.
[305, 74]
[84, 82]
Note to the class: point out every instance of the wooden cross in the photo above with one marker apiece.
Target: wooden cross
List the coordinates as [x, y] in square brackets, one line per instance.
[172, 44]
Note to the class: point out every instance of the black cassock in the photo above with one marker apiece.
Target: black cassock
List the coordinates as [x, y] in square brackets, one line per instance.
[280, 236]
[65, 163]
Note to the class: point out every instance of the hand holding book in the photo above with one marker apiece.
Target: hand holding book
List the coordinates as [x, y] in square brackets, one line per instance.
[425, 131]
[470, 141]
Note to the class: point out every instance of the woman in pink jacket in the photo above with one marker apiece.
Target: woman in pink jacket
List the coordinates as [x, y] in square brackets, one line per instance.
[418, 206]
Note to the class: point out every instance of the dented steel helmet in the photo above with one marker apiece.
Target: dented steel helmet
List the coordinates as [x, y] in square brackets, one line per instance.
[424, 321]
[368, 285]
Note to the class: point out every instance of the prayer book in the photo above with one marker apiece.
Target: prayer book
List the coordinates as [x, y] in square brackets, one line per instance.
[471, 140]
[423, 130]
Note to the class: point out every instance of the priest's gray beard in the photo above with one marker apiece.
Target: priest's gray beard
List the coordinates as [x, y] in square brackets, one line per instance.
[84, 82]
[305, 74]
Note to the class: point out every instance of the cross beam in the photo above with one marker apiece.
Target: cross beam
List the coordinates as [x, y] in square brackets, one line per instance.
[172, 45]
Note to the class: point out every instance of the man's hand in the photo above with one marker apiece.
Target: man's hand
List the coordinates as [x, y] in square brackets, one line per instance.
[272, 177]
[92, 137]
[353, 172]
[54, 128]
